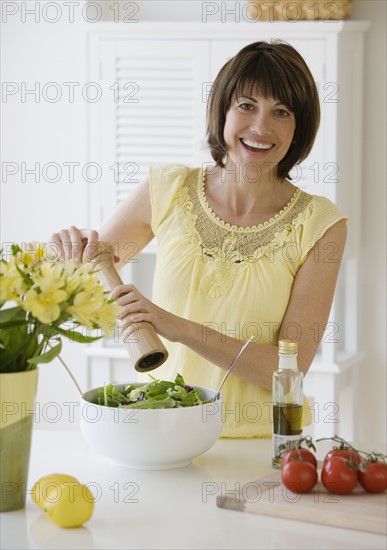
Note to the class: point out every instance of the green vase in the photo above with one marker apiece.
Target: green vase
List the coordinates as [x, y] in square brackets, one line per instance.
[17, 400]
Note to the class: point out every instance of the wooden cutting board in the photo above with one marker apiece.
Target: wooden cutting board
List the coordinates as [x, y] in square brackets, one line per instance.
[359, 510]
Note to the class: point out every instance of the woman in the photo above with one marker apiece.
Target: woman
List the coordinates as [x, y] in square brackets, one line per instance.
[241, 250]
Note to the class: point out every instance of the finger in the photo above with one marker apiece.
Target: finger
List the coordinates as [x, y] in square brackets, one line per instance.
[136, 318]
[122, 289]
[133, 300]
[76, 244]
[66, 244]
[141, 317]
[54, 250]
[90, 239]
[131, 311]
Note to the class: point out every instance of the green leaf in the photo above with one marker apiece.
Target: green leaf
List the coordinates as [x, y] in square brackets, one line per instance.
[14, 323]
[192, 398]
[158, 394]
[15, 249]
[77, 336]
[159, 387]
[16, 340]
[109, 396]
[179, 380]
[18, 347]
[12, 313]
[8, 358]
[46, 357]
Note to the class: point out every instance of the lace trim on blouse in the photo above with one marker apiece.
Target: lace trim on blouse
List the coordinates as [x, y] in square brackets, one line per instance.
[225, 247]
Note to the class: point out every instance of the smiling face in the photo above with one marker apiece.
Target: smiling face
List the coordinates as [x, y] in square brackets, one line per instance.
[258, 130]
[263, 72]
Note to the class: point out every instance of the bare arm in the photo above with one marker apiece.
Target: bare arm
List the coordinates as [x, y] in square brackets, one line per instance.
[129, 230]
[310, 303]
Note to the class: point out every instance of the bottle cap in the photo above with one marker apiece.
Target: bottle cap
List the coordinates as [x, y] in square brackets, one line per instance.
[288, 347]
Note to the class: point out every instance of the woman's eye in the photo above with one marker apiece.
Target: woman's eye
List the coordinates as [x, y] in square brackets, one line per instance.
[246, 106]
[282, 113]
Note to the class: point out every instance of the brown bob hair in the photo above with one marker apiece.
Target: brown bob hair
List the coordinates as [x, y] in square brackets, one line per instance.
[277, 71]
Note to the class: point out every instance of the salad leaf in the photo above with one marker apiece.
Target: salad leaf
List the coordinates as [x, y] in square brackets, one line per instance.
[157, 394]
[179, 380]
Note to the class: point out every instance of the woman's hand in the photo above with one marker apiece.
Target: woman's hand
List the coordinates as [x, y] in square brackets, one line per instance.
[139, 309]
[73, 244]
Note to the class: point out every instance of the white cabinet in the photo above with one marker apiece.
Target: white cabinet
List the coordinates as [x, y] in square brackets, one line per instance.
[155, 79]
[152, 110]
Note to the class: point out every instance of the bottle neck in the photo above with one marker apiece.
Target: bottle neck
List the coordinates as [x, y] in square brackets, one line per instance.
[288, 362]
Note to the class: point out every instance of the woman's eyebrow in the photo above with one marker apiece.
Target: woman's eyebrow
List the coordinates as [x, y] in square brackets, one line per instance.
[247, 97]
[254, 100]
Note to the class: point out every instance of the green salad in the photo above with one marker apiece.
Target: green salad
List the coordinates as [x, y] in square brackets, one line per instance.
[157, 394]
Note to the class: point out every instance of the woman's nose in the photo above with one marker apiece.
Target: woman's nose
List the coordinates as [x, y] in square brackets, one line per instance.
[260, 123]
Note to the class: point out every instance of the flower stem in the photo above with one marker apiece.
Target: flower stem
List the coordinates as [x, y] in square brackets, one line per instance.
[71, 374]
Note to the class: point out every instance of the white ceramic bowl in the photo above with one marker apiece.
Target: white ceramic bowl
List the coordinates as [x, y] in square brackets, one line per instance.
[151, 439]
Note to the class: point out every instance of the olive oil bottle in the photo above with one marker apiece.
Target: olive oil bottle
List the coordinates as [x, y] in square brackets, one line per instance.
[287, 399]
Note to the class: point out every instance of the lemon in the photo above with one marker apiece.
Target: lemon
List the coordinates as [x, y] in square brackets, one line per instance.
[71, 506]
[44, 485]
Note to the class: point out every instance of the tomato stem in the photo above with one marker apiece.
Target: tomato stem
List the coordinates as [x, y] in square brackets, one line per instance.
[373, 456]
[343, 443]
[369, 456]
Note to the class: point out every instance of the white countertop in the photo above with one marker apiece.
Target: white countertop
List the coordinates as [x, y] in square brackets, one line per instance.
[164, 509]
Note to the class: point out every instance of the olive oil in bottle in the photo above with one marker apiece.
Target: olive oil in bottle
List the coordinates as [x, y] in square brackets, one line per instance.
[287, 400]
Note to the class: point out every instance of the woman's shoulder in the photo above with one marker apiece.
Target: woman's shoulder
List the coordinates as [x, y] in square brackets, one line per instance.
[166, 181]
[319, 215]
[321, 206]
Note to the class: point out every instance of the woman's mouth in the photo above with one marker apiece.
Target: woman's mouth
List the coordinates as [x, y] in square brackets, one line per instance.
[256, 146]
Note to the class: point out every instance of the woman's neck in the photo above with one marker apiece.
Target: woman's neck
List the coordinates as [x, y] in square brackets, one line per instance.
[236, 196]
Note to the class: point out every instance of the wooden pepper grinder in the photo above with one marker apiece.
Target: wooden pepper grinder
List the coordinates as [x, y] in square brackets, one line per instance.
[144, 347]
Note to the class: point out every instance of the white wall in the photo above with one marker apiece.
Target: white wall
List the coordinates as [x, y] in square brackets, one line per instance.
[372, 381]
[35, 130]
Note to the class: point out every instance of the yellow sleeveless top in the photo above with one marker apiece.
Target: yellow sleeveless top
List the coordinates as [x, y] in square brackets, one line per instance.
[236, 280]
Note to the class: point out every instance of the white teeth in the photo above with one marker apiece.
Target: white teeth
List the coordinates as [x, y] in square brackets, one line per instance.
[257, 145]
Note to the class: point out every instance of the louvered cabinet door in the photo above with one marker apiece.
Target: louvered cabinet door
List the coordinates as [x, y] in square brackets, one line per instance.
[154, 110]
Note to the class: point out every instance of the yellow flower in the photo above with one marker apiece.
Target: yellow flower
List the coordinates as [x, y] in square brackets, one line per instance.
[49, 293]
[84, 306]
[82, 278]
[12, 285]
[44, 306]
[31, 253]
[25, 257]
[43, 299]
[106, 317]
[90, 280]
[49, 277]
[72, 277]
